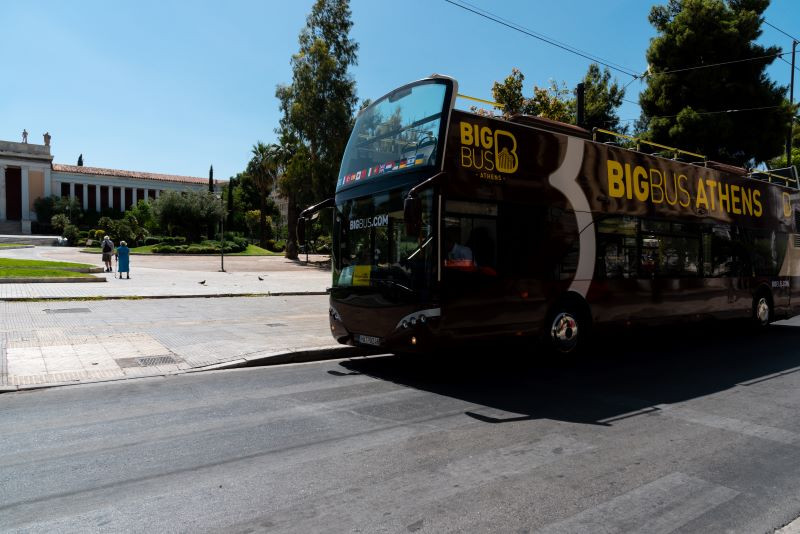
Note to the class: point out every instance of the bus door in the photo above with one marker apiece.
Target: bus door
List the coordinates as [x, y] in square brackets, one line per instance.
[471, 292]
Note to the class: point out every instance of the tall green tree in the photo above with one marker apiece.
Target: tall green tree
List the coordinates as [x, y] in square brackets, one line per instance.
[264, 167]
[601, 100]
[680, 108]
[317, 108]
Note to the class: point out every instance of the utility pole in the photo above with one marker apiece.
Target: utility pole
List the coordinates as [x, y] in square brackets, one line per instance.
[581, 104]
[791, 104]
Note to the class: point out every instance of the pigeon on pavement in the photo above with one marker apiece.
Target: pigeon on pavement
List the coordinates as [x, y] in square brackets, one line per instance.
[203, 282]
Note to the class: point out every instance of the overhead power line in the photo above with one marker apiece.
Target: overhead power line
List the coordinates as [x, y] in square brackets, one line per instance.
[683, 69]
[780, 30]
[568, 48]
[591, 57]
[790, 64]
[761, 108]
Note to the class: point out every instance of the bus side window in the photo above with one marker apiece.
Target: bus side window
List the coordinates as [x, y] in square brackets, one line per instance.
[724, 252]
[470, 238]
[616, 247]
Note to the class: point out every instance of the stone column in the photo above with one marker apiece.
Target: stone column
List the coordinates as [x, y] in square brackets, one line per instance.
[97, 198]
[85, 197]
[158, 191]
[110, 197]
[122, 199]
[2, 192]
[72, 190]
[147, 195]
[48, 186]
[26, 201]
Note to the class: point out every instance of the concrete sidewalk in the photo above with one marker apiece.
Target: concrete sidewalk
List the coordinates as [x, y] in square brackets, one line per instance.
[47, 344]
[54, 334]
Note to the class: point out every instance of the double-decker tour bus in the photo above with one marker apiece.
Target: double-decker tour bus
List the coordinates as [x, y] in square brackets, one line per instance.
[450, 226]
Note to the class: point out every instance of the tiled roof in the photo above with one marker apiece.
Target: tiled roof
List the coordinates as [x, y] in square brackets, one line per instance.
[117, 173]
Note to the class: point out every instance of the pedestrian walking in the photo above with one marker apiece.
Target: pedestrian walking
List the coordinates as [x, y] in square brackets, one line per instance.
[107, 247]
[123, 260]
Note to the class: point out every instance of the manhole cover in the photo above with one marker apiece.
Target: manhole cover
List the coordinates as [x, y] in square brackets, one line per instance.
[68, 310]
[155, 360]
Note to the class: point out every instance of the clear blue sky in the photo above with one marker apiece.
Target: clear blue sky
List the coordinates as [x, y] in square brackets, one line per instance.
[173, 87]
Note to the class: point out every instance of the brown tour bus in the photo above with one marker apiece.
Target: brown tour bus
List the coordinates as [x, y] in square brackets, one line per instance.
[451, 226]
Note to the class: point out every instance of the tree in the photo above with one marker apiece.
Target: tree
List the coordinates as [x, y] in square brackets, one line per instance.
[551, 102]
[601, 99]
[555, 102]
[687, 108]
[80, 160]
[187, 213]
[211, 179]
[317, 108]
[264, 168]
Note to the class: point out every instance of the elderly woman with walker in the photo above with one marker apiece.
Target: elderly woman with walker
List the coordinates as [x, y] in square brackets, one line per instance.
[123, 255]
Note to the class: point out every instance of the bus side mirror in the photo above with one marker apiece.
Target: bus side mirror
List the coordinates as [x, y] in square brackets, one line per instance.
[301, 230]
[412, 214]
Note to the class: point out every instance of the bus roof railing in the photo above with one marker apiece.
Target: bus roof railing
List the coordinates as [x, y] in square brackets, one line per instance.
[640, 141]
[786, 175]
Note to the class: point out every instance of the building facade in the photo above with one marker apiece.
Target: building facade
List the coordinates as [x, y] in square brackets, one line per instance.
[27, 172]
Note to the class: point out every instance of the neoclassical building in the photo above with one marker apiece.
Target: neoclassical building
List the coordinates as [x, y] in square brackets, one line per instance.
[27, 172]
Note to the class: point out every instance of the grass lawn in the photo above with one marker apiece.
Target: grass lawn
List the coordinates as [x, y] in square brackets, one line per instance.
[14, 245]
[38, 264]
[252, 250]
[22, 272]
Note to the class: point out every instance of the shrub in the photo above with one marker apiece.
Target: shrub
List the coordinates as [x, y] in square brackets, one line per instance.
[71, 233]
[99, 234]
[59, 222]
[83, 234]
[164, 249]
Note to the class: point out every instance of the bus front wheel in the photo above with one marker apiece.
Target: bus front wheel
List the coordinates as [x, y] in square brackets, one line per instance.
[567, 328]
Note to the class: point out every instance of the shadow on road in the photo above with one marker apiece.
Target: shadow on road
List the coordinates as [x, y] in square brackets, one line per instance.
[622, 376]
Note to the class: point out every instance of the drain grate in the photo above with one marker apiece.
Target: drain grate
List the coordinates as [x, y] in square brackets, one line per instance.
[155, 360]
[276, 324]
[68, 310]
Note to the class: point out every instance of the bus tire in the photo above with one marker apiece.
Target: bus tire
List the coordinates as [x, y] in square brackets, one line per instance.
[763, 310]
[568, 327]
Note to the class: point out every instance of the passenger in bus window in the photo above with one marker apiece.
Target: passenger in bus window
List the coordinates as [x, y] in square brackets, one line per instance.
[458, 255]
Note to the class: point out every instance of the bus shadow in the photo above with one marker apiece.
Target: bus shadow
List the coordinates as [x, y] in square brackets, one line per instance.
[623, 375]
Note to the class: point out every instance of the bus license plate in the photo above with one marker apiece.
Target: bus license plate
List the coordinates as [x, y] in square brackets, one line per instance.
[368, 340]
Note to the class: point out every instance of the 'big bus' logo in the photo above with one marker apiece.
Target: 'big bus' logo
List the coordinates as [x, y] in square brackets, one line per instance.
[488, 151]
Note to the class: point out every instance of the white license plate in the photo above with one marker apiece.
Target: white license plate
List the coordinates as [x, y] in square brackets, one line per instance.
[368, 340]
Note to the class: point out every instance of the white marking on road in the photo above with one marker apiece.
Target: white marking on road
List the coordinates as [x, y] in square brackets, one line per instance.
[733, 425]
[663, 505]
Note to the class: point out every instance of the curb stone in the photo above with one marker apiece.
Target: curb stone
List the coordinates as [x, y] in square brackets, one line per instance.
[331, 352]
[155, 297]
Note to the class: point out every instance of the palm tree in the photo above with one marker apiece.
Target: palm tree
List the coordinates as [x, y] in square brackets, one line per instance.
[264, 167]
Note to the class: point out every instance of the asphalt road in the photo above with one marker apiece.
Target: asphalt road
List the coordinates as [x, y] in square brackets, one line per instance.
[679, 431]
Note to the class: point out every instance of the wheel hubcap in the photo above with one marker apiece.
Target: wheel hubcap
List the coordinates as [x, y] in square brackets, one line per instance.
[762, 310]
[564, 332]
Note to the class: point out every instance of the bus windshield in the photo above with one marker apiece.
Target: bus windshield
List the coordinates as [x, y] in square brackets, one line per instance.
[375, 250]
[397, 133]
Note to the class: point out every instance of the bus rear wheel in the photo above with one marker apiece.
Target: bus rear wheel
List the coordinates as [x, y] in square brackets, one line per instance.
[762, 309]
[567, 329]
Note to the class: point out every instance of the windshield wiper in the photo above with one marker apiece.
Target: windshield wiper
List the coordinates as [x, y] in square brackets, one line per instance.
[392, 283]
